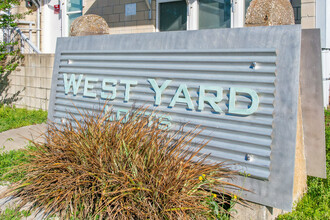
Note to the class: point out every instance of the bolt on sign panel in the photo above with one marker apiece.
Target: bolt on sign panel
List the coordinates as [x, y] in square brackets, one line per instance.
[240, 85]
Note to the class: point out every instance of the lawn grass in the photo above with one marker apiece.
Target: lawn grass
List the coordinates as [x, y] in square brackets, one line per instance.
[12, 214]
[11, 117]
[9, 160]
[316, 202]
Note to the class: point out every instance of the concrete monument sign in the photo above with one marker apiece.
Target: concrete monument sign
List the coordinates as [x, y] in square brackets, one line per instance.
[240, 85]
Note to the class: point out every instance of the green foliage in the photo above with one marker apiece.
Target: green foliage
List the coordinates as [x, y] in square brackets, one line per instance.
[13, 214]
[6, 19]
[93, 168]
[327, 137]
[8, 161]
[11, 117]
[218, 210]
[315, 204]
[10, 55]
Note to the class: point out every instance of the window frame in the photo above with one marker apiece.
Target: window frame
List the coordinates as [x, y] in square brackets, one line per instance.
[237, 13]
[65, 16]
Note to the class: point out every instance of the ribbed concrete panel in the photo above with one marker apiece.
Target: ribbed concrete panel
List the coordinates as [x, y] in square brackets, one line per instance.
[233, 140]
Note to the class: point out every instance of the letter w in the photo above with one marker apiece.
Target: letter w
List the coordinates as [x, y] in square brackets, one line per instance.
[75, 85]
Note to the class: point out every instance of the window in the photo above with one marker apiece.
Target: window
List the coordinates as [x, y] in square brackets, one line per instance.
[247, 4]
[200, 14]
[214, 14]
[173, 16]
[74, 10]
[71, 10]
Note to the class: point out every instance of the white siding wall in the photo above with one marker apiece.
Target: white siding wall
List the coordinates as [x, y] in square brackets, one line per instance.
[326, 76]
[51, 26]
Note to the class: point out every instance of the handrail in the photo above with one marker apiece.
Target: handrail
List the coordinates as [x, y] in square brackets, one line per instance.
[30, 29]
[24, 38]
[74, 12]
[26, 22]
[27, 40]
[26, 29]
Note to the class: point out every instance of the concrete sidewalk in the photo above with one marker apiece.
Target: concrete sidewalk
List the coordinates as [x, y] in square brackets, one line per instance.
[18, 138]
[10, 203]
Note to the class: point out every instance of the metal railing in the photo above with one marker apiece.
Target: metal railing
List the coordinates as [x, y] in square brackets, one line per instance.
[27, 45]
[15, 34]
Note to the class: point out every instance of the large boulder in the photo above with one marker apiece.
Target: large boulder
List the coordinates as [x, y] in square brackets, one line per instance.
[89, 25]
[269, 13]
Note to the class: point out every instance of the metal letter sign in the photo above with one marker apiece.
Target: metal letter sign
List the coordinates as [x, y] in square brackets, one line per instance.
[241, 85]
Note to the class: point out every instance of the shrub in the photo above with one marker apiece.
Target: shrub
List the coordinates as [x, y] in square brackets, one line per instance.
[94, 168]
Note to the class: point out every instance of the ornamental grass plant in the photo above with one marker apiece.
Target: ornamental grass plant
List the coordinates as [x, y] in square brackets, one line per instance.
[92, 168]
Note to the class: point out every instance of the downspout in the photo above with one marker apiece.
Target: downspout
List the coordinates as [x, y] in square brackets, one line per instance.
[38, 22]
[38, 25]
[327, 25]
[148, 3]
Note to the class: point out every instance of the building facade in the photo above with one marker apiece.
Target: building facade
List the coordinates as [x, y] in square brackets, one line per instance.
[52, 18]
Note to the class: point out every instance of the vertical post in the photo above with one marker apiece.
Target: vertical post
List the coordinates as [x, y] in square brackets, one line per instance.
[22, 45]
[321, 21]
[193, 15]
[38, 27]
[30, 30]
[150, 9]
